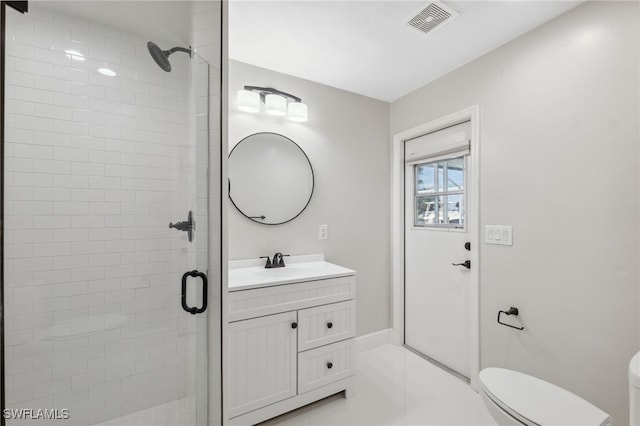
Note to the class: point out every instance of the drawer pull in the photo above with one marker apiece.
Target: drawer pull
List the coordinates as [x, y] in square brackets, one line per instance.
[329, 365]
[329, 324]
[294, 325]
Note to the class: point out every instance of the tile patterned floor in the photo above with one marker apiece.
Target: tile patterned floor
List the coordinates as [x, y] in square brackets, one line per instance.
[395, 387]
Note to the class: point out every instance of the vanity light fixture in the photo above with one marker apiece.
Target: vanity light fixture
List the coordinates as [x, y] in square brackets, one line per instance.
[275, 105]
[275, 102]
[298, 112]
[248, 101]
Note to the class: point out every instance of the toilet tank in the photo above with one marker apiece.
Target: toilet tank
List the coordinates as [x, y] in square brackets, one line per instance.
[634, 391]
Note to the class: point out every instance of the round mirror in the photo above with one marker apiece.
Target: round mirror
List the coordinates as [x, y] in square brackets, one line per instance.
[270, 178]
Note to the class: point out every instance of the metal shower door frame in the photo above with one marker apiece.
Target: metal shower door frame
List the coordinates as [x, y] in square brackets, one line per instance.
[22, 7]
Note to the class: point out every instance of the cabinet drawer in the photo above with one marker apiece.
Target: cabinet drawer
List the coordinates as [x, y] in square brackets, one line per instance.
[262, 301]
[326, 364]
[326, 324]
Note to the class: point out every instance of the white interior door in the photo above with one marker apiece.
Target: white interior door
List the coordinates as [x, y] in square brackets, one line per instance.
[438, 293]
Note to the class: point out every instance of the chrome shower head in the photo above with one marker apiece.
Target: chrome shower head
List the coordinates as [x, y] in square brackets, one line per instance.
[162, 56]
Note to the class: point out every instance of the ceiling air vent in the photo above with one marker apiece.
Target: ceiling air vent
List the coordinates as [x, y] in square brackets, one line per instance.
[431, 16]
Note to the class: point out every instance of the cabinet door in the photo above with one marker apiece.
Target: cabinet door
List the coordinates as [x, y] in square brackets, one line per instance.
[262, 362]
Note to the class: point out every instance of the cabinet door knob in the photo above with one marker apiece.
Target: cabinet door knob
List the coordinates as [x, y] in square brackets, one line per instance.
[329, 365]
[329, 324]
[294, 325]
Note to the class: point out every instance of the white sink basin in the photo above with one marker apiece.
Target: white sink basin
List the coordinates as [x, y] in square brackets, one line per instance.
[287, 271]
[246, 274]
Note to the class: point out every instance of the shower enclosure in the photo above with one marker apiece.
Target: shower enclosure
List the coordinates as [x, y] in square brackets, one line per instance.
[111, 296]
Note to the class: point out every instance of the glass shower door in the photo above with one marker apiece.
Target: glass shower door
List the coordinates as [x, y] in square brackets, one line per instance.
[106, 209]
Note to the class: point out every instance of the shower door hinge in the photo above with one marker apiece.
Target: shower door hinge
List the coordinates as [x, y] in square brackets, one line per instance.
[20, 6]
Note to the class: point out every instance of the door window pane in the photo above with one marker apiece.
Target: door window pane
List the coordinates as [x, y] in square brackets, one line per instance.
[455, 174]
[425, 179]
[455, 209]
[439, 219]
[439, 193]
[425, 210]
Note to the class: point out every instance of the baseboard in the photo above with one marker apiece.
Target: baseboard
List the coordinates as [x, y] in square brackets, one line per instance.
[373, 340]
[273, 410]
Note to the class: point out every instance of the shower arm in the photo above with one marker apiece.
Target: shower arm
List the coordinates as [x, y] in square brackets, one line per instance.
[268, 91]
[178, 49]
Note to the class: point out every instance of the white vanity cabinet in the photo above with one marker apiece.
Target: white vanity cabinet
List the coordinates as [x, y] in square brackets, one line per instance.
[263, 354]
[291, 341]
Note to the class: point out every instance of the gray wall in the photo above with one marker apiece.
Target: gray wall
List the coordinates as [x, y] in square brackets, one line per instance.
[346, 140]
[559, 162]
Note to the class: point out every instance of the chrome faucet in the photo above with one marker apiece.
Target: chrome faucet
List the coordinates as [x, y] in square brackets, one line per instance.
[277, 262]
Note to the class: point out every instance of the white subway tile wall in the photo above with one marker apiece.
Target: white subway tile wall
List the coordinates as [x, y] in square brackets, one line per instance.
[96, 168]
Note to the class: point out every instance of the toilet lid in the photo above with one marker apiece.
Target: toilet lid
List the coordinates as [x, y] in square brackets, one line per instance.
[536, 402]
[634, 370]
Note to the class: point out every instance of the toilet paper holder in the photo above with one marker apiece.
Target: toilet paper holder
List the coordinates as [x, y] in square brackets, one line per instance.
[512, 311]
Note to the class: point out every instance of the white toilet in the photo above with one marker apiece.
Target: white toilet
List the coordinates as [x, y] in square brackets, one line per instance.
[634, 391]
[515, 398]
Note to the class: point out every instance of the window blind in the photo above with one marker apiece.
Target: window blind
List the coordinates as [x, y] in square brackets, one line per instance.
[449, 142]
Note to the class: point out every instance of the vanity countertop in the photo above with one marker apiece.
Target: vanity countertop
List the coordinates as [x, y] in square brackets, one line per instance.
[248, 274]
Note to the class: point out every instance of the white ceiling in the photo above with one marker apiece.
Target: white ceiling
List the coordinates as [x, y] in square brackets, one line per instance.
[366, 47]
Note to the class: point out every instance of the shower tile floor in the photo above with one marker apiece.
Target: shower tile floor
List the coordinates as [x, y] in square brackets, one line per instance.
[395, 387]
[174, 413]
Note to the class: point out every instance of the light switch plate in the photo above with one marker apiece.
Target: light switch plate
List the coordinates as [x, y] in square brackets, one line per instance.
[498, 234]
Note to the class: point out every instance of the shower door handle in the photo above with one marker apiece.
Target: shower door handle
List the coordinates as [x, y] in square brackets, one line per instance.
[192, 309]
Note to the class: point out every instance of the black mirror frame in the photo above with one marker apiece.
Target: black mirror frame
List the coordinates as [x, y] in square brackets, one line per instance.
[313, 180]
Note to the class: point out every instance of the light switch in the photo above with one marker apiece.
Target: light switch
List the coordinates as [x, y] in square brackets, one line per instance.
[499, 234]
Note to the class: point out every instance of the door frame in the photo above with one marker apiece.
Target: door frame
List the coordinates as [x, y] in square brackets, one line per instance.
[471, 113]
